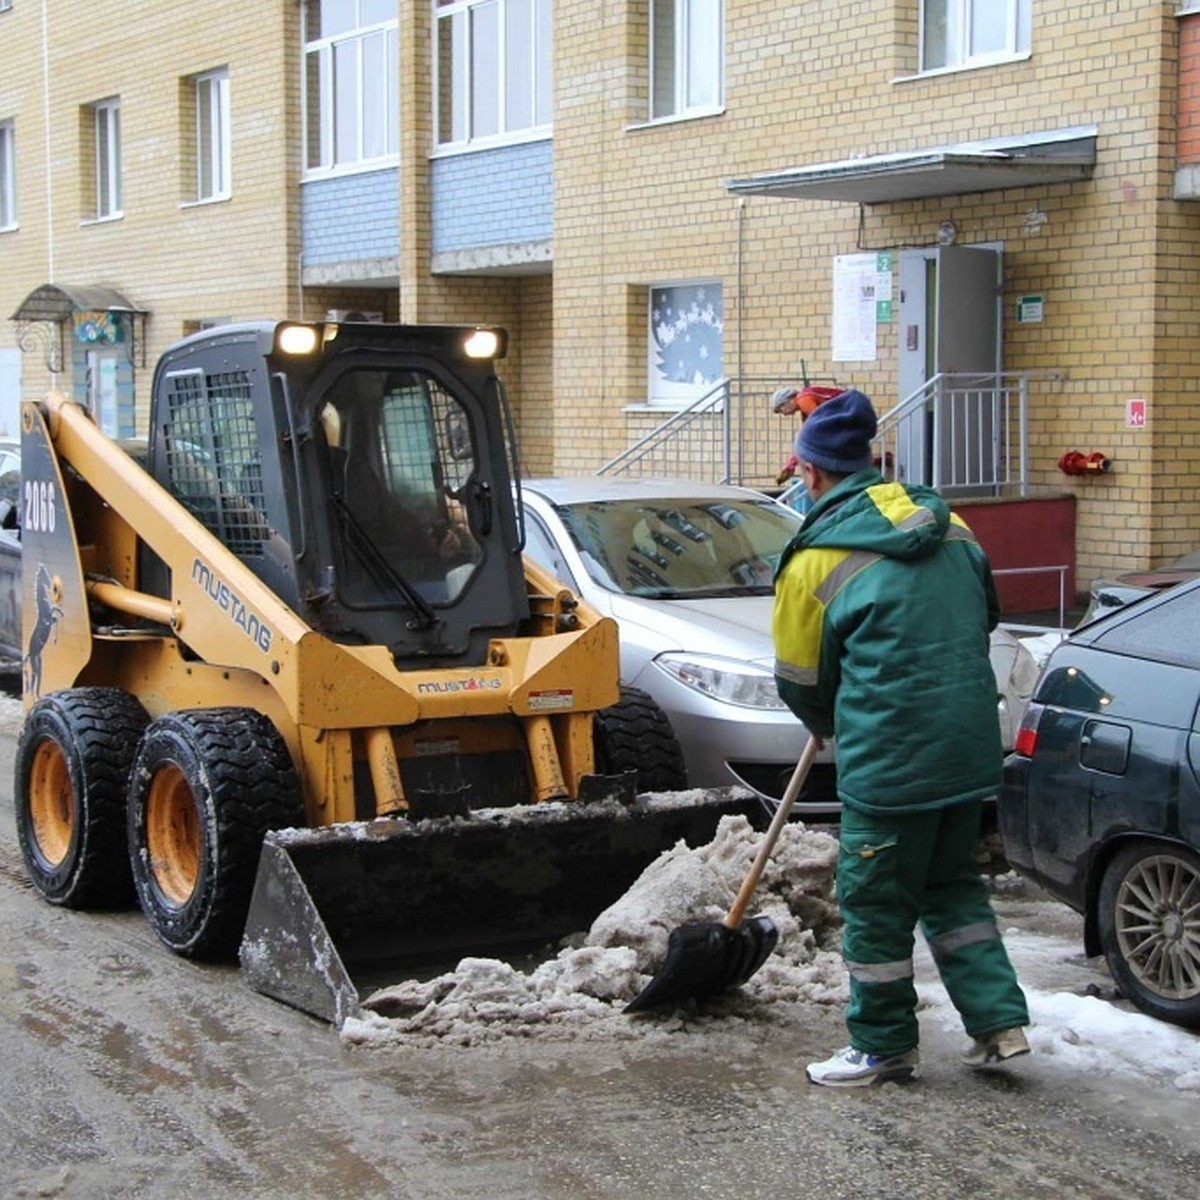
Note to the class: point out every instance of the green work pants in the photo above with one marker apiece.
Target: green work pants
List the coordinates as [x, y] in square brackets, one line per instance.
[899, 870]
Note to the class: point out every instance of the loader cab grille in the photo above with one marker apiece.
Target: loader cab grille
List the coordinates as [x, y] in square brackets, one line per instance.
[213, 464]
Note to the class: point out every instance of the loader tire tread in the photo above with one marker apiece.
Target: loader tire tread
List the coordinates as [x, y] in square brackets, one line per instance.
[91, 734]
[243, 783]
[635, 734]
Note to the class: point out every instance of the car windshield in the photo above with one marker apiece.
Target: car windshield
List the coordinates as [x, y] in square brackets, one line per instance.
[681, 549]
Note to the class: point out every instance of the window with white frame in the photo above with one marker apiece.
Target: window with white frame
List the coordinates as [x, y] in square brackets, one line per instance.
[494, 69]
[106, 130]
[351, 75]
[957, 33]
[8, 177]
[687, 57]
[687, 332]
[5, 5]
[212, 135]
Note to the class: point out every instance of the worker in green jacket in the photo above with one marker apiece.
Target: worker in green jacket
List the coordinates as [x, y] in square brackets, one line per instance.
[884, 606]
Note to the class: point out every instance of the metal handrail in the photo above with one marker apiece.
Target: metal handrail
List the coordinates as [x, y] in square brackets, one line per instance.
[676, 426]
[1062, 569]
[965, 434]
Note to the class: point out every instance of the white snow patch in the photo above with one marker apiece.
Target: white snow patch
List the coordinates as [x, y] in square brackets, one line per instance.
[1091, 1035]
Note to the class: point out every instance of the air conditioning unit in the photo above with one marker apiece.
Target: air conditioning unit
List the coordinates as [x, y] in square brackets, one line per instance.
[353, 314]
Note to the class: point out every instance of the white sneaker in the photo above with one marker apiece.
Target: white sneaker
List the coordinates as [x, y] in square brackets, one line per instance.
[997, 1047]
[856, 1068]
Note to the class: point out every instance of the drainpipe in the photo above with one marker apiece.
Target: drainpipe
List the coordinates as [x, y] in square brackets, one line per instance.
[741, 452]
[46, 131]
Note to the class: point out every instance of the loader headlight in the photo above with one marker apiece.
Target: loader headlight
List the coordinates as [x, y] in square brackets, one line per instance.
[484, 343]
[725, 679]
[295, 340]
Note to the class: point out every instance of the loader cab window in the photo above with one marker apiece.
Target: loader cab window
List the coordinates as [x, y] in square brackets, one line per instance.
[212, 457]
[401, 462]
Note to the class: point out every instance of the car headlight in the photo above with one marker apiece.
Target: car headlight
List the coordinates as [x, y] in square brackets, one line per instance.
[724, 679]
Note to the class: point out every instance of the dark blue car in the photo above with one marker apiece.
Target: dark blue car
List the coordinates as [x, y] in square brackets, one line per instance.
[1101, 799]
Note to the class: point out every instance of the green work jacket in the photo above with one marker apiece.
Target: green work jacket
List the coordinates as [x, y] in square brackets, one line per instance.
[884, 603]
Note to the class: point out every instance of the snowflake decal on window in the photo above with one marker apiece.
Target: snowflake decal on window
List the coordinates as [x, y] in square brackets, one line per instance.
[688, 325]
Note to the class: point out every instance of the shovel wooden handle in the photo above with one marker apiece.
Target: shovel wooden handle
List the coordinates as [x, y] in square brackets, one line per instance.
[734, 917]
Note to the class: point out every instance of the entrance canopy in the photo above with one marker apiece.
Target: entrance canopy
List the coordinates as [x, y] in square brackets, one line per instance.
[57, 302]
[99, 314]
[1059, 156]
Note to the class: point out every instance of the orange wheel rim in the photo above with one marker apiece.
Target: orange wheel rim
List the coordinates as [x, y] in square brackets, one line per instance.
[173, 835]
[51, 803]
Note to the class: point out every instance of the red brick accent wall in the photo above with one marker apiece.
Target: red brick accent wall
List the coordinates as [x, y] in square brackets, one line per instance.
[1189, 89]
[1027, 533]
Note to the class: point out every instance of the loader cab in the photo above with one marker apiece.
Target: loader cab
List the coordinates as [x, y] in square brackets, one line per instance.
[362, 471]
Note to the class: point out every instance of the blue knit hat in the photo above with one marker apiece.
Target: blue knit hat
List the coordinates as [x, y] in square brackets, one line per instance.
[837, 436]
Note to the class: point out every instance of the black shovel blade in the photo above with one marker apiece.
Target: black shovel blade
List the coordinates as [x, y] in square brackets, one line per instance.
[704, 959]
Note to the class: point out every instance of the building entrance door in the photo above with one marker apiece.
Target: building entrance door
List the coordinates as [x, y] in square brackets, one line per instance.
[102, 389]
[950, 322]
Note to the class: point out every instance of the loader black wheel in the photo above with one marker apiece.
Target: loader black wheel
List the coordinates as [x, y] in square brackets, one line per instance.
[635, 735]
[72, 771]
[206, 785]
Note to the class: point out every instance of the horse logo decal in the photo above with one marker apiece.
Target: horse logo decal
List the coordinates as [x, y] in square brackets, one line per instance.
[48, 616]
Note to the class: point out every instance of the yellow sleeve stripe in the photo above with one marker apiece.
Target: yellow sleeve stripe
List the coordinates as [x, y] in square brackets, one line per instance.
[799, 616]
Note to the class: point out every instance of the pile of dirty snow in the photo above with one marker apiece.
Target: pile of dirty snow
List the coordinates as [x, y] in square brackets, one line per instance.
[581, 993]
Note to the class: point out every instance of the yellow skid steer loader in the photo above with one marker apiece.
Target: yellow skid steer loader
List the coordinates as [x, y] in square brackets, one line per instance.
[290, 682]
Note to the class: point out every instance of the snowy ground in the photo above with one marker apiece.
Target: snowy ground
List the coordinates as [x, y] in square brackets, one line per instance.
[1092, 1034]
[579, 994]
[136, 1075]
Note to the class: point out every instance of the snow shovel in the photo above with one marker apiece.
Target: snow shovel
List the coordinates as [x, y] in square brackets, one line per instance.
[706, 958]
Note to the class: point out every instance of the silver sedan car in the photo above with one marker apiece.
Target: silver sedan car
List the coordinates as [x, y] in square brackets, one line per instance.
[687, 570]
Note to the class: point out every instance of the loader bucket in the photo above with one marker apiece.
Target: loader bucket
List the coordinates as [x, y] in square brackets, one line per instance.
[341, 910]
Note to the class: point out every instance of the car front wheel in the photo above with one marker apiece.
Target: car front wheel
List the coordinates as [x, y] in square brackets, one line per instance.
[1149, 920]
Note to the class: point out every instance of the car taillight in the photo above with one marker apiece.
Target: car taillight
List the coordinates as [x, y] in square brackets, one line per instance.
[1026, 739]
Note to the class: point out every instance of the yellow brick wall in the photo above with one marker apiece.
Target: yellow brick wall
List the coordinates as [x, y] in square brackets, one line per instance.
[808, 83]
[182, 262]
